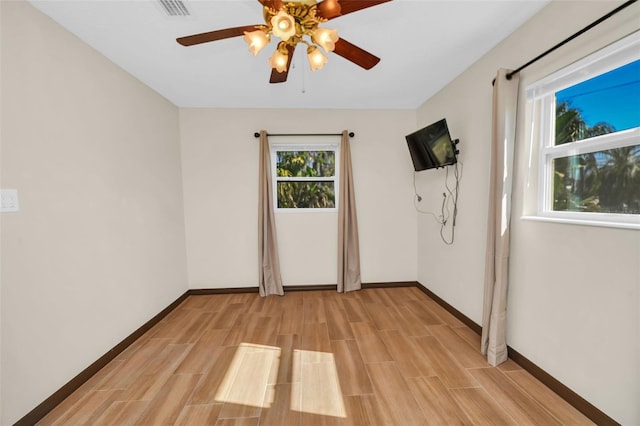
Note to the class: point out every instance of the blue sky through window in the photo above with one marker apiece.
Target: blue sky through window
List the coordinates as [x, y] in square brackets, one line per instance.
[612, 97]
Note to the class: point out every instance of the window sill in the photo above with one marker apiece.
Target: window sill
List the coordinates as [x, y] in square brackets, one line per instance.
[584, 222]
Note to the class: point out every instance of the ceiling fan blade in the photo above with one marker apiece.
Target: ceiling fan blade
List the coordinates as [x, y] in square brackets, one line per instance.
[281, 77]
[273, 4]
[328, 9]
[215, 35]
[355, 54]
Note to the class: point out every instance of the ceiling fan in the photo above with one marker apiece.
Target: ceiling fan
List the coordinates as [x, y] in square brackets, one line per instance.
[294, 22]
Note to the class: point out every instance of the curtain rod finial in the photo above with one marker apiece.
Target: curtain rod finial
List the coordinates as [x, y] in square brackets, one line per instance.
[351, 134]
[256, 134]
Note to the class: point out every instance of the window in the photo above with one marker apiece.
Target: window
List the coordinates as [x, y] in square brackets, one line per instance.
[305, 177]
[587, 119]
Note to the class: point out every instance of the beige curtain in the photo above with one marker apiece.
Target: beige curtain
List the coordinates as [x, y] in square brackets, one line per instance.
[348, 245]
[496, 277]
[270, 280]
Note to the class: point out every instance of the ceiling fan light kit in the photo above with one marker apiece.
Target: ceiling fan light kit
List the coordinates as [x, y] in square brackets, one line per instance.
[295, 22]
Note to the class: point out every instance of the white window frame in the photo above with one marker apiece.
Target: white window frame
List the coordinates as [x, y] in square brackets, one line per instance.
[335, 147]
[541, 96]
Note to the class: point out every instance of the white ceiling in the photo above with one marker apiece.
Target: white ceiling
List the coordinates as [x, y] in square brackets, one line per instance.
[423, 44]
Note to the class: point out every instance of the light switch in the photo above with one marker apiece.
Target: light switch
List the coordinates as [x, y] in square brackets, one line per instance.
[9, 200]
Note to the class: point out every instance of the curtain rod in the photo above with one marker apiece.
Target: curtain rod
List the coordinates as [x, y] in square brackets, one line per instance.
[568, 39]
[257, 135]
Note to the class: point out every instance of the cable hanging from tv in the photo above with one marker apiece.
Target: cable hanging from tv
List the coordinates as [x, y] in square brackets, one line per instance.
[431, 148]
[449, 207]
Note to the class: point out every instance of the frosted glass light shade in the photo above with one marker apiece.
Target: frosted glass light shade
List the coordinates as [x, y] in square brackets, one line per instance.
[279, 61]
[256, 40]
[283, 25]
[316, 58]
[325, 38]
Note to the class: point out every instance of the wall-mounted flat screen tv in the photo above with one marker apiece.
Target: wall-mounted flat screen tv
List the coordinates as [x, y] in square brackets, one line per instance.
[432, 147]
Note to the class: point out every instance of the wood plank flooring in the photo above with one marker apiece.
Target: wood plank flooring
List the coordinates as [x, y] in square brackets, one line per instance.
[374, 357]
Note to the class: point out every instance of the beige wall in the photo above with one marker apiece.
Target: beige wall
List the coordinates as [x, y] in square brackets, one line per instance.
[97, 248]
[220, 175]
[574, 292]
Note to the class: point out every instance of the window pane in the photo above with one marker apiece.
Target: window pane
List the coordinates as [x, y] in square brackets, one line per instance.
[306, 195]
[305, 163]
[605, 182]
[604, 104]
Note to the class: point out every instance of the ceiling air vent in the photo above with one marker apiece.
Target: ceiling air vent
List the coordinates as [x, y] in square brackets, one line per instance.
[174, 7]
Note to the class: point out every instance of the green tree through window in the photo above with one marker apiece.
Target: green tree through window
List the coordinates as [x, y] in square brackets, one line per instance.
[605, 181]
[305, 179]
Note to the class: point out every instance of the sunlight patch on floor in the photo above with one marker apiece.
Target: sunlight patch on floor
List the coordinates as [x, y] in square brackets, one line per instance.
[253, 367]
[251, 376]
[317, 389]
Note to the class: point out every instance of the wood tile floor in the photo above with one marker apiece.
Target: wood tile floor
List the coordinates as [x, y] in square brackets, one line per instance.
[372, 357]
